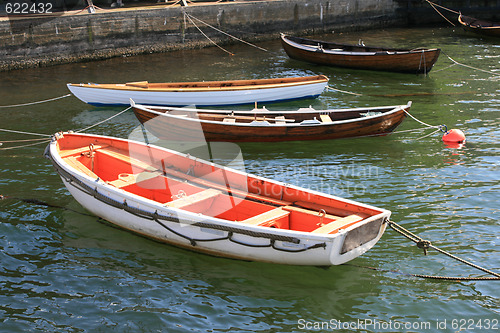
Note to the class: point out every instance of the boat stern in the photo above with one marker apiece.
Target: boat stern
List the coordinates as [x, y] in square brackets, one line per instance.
[359, 238]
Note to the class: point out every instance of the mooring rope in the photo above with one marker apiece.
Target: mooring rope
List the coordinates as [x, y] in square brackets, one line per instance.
[442, 7]
[427, 135]
[442, 69]
[422, 60]
[103, 121]
[343, 91]
[225, 33]
[23, 146]
[23, 140]
[220, 47]
[421, 122]
[425, 245]
[43, 140]
[475, 68]
[400, 95]
[433, 5]
[48, 136]
[441, 128]
[424, 276]
[33, 103]
[21, 132]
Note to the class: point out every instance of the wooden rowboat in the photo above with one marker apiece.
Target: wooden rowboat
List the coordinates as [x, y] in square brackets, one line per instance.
[207, 93]
[184, 201]
[417, 61]
[481, 27]
[259, 125]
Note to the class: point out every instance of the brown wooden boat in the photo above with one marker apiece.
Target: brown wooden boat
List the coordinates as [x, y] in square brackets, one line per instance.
[261, 125]
[419, 61]
[481, 27]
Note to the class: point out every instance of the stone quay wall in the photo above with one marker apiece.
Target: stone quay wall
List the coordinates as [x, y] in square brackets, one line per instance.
[73, 36]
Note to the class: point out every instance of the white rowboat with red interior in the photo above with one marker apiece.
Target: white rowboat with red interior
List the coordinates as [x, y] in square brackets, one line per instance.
[191, 203]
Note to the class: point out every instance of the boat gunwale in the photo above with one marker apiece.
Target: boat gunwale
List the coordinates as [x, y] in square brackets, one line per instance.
[396, 109]
[262, 111]
[467, 23]
[378, 51]
[201, 86]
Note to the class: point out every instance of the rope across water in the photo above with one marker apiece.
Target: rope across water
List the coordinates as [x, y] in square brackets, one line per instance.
[426, 245]
[47, 137]
[191, 18]
[37, 102]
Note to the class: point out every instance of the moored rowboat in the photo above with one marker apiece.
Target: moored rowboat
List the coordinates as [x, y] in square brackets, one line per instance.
[417, 61]
[260, 125]
[206, 93]
[184, 201]
[481, 27]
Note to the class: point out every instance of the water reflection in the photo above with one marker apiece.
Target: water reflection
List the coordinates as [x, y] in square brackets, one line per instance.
[201, 291]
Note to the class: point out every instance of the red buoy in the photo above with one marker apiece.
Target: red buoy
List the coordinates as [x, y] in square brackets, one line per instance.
[454, 136]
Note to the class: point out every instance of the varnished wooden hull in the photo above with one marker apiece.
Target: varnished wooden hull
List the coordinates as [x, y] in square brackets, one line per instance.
[481, 27]
[418, 61]
[202, 127]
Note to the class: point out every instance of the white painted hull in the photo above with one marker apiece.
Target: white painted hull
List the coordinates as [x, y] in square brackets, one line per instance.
[330, 255]
[102, 96]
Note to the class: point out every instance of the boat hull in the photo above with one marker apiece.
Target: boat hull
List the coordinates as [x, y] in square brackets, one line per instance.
[258, 248]
[214, 236]
[480, 27]
[102, 95]
[411, 61]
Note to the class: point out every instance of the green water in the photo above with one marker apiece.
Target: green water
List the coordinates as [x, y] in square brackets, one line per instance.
[64, 271]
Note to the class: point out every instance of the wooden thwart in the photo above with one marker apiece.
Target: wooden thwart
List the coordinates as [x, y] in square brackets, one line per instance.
[128, 179]
[268, 216]
[79, 151]
[335, 225]
[226, 117]
[337, 212]
[193, 198]
[325, 118]
[76, 164]
[309, 211]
